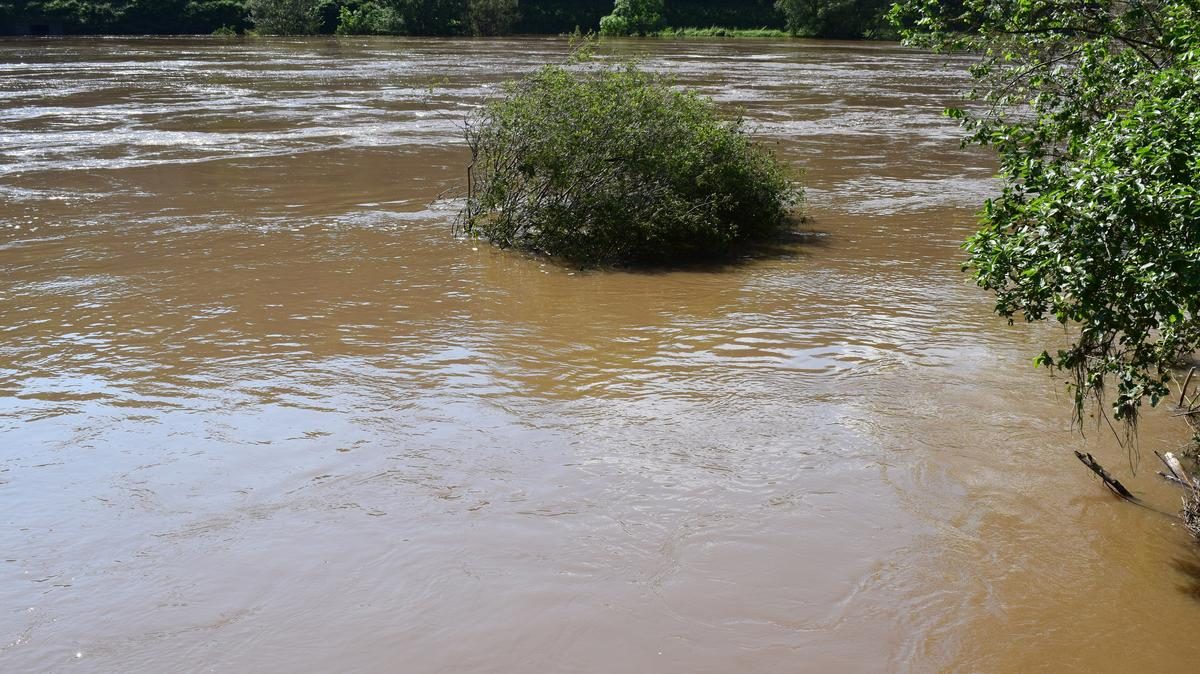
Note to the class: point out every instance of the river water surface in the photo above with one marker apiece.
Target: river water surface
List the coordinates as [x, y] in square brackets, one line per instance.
[261, 411]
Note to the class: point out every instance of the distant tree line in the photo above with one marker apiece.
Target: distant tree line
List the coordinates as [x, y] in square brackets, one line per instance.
[818, 18]
[121, 16]
[840, 19]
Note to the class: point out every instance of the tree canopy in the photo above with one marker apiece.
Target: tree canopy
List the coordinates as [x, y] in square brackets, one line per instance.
[825, 18]
[127, 16]
[836, 18]
[1094, 110]
[633, 17]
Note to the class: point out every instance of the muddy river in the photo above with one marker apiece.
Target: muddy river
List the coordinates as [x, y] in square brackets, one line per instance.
[260, 411]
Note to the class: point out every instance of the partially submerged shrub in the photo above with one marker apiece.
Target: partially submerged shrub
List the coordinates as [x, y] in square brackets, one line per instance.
[615, 165]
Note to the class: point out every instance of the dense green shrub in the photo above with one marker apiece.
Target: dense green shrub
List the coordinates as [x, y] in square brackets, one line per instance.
[434, 17]
[716, 31]
[492, 17]
[369, 18]
[633, 17]
[614, 165]
[746, 14]
[841, 19]
[285, 17]
[127, 16]
[561, 16]
[202, 14]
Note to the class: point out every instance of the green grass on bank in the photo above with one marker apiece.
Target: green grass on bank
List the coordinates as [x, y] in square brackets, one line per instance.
[717, 31]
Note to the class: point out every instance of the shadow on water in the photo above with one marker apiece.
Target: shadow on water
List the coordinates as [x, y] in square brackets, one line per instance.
[790, 245]
[1189, 567]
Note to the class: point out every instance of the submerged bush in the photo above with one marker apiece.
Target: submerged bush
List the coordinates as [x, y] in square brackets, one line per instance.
[614, 165]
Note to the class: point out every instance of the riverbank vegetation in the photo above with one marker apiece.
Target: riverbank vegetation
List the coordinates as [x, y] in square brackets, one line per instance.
[633, 17]
[723, 18]
[603, 165]
[840, 19]
[718, 31]
[843, 19]
[1094, 111]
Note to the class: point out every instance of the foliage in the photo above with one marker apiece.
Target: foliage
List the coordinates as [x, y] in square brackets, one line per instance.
[285, 17]
[633, 17]
[491, 17]
[834, 18]
[75, 13]
[369, 18]
[746, 14]
[1094, 110]
[198, 15]
[129, 16]
[433, 17]
[561, 16]
[612, 164]
[717, 31]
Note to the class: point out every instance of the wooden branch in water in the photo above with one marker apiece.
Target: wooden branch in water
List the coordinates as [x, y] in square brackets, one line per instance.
[470, 188]
[1176, 481]
[1109, 481]
[1174, 466]
[1183, 389]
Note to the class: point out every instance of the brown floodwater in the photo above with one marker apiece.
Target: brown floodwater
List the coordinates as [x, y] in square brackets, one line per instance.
[261, 411]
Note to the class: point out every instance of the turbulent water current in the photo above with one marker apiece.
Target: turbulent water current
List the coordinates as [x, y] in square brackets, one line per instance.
[261, 411]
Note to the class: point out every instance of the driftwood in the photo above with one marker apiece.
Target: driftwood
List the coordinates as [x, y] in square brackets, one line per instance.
[1177, 476]
[1109, 481]
[1175, 481]
[1189, 405]
[1190, 513]
[1174, 467]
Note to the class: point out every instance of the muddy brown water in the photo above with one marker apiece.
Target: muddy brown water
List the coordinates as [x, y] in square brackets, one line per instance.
[260, 411]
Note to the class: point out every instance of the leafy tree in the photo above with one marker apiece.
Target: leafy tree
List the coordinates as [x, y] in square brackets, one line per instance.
[492, 17]
[615, 165]
[834, 18]
[285, 17]
[561, 16]
[434, 17]
[76, 15]
[633, 17]
[369, 18]
[207, 15]
[722, 13]
[129, 16]
[1094, 110]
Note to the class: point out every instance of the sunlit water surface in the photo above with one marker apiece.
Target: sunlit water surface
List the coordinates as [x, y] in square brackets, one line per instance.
[261, 411]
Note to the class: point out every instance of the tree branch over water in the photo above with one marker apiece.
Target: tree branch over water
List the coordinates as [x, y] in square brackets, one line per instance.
[1092, 109]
